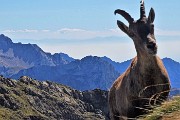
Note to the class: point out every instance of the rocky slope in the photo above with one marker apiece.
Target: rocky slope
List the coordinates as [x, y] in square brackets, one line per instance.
[30, 99]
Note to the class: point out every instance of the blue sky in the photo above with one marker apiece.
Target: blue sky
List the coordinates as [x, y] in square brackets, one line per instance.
[87, 27]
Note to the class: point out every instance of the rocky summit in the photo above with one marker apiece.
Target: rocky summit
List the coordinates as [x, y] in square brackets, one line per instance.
[29, 99]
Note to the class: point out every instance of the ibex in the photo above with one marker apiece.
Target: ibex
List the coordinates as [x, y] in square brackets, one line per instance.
[146, 81]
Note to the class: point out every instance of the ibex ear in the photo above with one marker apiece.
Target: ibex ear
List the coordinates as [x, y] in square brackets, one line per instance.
[151, 16]
[124, 28]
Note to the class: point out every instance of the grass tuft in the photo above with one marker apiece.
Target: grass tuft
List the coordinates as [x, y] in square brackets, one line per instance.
[167, 111]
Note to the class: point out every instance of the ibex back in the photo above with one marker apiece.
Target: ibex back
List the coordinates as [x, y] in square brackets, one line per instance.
[145, 82]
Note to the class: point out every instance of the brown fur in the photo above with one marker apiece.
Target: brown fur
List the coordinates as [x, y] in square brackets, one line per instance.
[146, 81]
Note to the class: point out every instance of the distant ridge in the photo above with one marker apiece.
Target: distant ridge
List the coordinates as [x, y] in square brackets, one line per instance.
[17, 56]
[89, 73]
[17, 59]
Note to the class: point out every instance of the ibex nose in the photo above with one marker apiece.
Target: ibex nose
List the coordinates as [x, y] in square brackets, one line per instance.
[151, 45]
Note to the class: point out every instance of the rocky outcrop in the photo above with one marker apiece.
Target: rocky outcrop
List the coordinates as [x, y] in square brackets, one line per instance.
[30, 99]
[98, 99]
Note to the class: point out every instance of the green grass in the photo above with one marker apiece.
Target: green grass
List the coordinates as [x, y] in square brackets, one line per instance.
[169, 108]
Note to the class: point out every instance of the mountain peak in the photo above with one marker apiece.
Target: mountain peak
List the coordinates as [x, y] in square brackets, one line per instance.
[169, 60]
[166, 58]
[90, 57]
[5, 40]
[64, 56]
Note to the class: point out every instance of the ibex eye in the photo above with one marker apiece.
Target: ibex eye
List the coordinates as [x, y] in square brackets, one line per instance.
[152, 25]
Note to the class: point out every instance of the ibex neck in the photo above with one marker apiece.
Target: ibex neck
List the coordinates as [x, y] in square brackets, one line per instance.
[146, 62]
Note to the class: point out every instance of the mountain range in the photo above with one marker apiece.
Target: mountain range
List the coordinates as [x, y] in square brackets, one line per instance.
[17, 59]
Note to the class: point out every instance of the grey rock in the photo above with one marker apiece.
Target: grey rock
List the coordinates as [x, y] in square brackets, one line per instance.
[47, 100]
[8, 82]
[3, 90]
[9, 102]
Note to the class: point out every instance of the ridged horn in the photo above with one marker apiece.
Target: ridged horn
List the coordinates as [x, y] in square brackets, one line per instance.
[142, 10]
[125, 15]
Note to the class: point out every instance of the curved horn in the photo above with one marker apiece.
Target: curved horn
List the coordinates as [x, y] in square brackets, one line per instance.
[125, 15]
[142, 10]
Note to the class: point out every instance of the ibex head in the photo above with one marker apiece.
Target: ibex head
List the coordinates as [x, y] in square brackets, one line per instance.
[141, 31]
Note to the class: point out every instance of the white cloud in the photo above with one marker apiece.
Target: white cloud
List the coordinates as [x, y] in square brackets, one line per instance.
[82, 34]
[68, 30]
[116, 30]
[74, 33]
[161, 32]
[8, 31]
[64, 33]
[45, 30]
[20, 31]
[30, 31]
